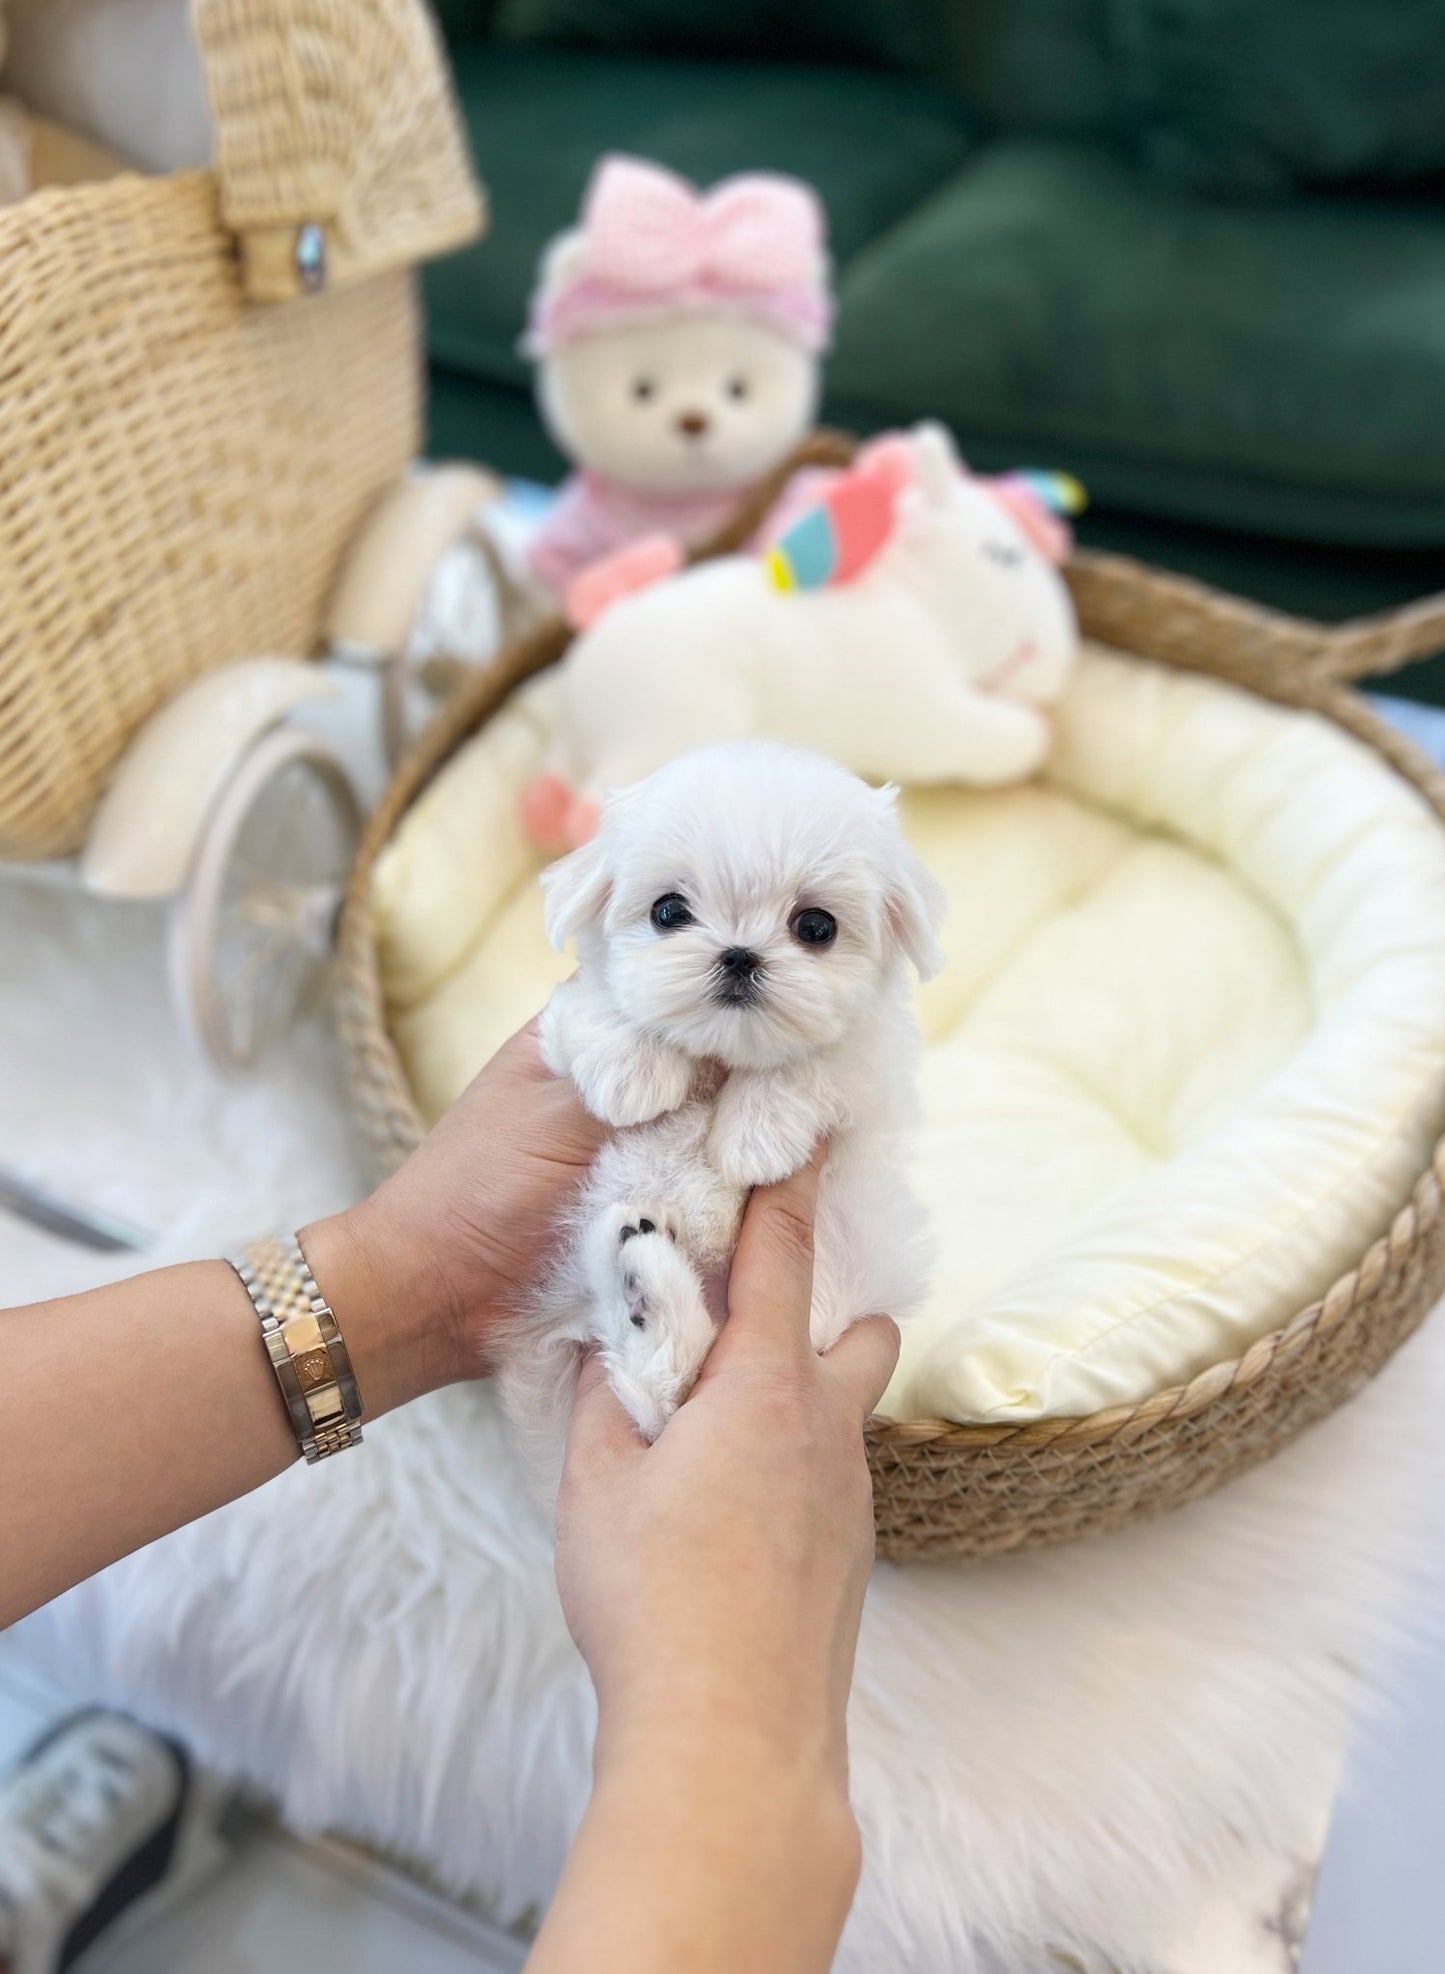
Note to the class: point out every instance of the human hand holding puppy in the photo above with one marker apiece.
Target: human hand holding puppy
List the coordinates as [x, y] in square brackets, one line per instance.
[714, 1583]
[459, 1234]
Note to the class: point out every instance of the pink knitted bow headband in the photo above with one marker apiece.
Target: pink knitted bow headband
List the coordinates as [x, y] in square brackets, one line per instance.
[650, 244]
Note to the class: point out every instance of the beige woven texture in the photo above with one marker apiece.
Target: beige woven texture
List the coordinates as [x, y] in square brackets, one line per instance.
[180, 469]
[339, 114]
[945, 1490]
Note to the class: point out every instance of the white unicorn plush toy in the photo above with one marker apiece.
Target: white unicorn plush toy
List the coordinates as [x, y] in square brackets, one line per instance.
[911, 623]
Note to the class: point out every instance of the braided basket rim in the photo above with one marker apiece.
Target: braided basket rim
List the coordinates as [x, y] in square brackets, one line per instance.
[1290, 660]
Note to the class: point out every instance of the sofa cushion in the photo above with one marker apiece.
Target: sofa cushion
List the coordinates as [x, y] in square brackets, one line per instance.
[816, 30]
[1236, 97]
[1240, 98]
[1198, 361]
[874, 145]
[1038, 65]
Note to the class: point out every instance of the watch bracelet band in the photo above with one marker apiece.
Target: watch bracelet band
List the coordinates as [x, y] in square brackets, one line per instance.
[304, 1343]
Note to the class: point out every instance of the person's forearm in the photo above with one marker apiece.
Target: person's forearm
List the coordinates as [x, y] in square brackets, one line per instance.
[129, 1410]
[703, 1861]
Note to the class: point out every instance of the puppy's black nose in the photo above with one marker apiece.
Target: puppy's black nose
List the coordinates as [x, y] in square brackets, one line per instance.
[737, 980]
[692, 424]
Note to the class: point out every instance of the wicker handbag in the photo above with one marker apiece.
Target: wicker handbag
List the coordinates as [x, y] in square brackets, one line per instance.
[207, 379]
[971, 1490]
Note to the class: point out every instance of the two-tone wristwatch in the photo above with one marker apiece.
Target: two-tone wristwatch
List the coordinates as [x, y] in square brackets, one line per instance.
[304, 1344]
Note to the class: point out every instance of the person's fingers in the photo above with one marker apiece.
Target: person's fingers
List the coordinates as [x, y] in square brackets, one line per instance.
[561, 1130]
[770, 1284]
[863, 1360]
[600, 1433]
[513, 1074]
[522, 1052]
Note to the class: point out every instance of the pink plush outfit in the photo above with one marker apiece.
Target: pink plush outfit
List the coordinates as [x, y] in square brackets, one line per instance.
[594, 517]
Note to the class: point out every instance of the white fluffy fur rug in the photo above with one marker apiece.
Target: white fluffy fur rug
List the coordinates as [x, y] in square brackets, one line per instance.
[1066, 1751]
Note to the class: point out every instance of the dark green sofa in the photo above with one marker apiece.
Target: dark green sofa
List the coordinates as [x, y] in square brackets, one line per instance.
[1192, 250]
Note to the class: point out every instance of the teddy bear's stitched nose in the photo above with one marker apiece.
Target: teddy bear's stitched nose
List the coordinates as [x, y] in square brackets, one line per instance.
[692, 423]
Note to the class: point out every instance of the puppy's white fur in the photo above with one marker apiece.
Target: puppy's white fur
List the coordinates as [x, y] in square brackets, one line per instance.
[712, 1095]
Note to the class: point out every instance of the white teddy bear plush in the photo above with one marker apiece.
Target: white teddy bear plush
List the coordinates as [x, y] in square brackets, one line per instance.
[912, 624]
[678, 336]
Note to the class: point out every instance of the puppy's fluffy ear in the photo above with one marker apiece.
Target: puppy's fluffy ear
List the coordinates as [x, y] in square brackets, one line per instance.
[915, 914]
[913, 899]
[577, 889]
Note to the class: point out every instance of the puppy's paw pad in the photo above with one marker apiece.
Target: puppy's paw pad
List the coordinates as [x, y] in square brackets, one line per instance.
[635, 1297]
[652, 1273]
[642, 1290]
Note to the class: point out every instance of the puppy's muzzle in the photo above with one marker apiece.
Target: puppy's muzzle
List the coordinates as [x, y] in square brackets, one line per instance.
[737, 978]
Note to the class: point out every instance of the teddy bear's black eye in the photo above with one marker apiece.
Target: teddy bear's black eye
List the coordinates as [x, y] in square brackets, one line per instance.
[643, 388]
[737, 387]
[670, 912]
[815, 928]
[1004, 553]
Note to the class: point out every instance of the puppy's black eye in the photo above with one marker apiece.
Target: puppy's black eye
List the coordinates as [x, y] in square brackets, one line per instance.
[643, 388]
[737, 387]
[670, 912]
[1004, 553]
[815, 928]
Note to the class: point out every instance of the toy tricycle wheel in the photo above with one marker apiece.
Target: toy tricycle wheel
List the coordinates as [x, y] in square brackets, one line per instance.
[252, 929]
[473, 607]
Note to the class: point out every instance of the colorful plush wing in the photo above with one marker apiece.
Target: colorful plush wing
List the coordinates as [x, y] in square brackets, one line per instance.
[836, 540]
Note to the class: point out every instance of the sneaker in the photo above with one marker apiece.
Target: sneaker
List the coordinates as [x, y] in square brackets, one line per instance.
[101, 1823]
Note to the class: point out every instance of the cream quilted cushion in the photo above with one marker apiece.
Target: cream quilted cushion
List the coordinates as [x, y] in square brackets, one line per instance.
[1185, 1061]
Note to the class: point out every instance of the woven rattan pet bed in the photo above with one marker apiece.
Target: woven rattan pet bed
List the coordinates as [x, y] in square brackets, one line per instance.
[208, 378]
[945, 1489]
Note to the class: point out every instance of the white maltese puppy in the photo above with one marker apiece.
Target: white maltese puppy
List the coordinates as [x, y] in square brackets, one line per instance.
[744, 920]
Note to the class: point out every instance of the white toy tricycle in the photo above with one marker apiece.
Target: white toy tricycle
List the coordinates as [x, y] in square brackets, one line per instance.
[238, 804]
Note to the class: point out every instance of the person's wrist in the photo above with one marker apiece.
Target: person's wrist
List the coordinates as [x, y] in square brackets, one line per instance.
[777, 1718]
[800, 1763]
[782, 1806]
[390, 1303]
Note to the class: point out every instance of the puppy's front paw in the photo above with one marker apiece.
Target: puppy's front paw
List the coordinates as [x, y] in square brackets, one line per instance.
[633, 1083]
[655, 1328]
[754, 1144]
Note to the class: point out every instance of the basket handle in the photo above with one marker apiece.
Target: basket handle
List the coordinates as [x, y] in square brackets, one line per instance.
[1184, 622]
[339, 148]
[1369, 647]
